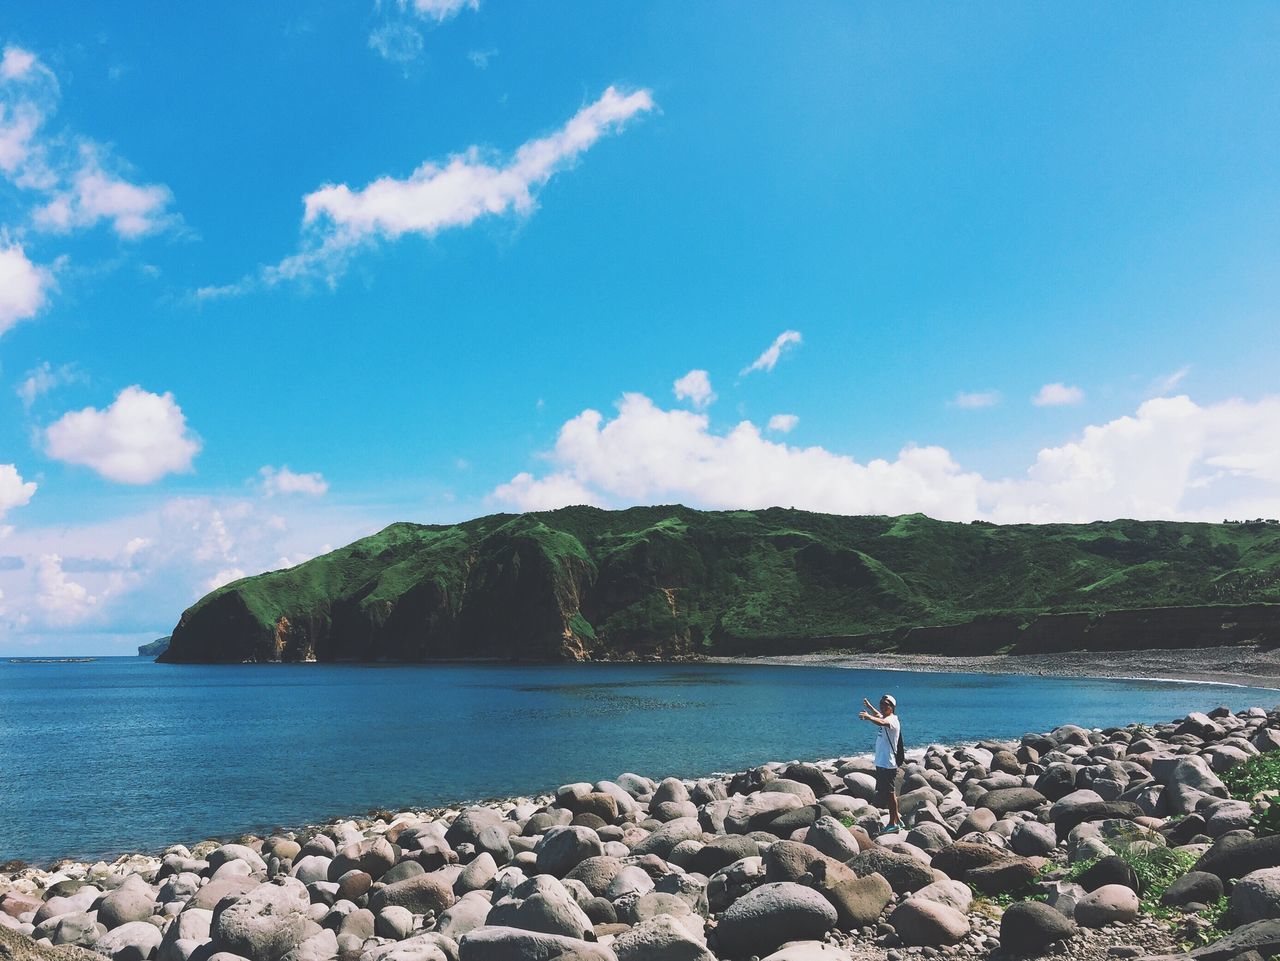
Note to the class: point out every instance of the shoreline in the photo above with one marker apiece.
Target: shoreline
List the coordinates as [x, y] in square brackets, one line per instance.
[684, 846]
[1244, 667]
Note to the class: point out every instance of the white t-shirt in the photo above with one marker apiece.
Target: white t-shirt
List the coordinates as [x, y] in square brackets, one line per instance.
[887, 742]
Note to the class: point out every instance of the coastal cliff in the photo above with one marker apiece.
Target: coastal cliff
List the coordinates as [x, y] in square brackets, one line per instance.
[673, 582]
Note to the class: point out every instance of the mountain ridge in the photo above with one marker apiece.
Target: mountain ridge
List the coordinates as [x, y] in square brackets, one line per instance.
[582, 583]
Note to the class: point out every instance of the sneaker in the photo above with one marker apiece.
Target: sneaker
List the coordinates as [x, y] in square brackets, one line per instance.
[891, 828]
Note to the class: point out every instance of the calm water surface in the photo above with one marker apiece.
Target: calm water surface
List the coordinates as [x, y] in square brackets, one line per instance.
[122, 754]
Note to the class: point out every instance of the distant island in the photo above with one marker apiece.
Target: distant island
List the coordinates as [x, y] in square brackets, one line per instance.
[672, 582]
[154, 648]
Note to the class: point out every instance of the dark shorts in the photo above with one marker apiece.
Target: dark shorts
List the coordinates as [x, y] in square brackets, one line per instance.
[886, 785]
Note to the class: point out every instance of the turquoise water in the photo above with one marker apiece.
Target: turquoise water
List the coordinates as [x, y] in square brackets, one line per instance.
[122, 754]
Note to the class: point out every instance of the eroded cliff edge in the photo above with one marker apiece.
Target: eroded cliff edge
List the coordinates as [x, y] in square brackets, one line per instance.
[672, 582]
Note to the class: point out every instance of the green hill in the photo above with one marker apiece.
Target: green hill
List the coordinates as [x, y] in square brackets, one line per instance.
[581, 583]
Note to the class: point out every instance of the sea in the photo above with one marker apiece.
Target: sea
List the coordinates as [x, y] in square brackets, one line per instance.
[120, 754]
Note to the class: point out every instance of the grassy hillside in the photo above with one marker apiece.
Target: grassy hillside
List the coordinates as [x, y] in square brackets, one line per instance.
[581, 582]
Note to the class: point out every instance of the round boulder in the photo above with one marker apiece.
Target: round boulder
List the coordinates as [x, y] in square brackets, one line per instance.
[1256, 897]
[1028, 927]
[564, 848]
[770, 916]
[264, 924]
[1110, 903]
[928, 924]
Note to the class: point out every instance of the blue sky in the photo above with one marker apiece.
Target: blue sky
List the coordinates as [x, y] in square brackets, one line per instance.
[273, 276]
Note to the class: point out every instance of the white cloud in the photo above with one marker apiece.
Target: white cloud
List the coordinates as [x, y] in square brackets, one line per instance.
[480, 58]
[439, 10]
[976, 399]
[63, 601]
[1166, 384]
[281, 480]
[224, 577]
[95, 195]
[769, 359]
[440, 195]
[140, 438]
[695, 387]
[73, 182]
[17, 63]
[42, 379]
[396, 42]
[783, 423]
[139, 571]
[14, 491]
[1057, 395]
[1172, 459]
[24, 286]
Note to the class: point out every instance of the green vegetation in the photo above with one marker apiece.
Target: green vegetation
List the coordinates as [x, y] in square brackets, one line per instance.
[1258, 780]
[672, 581]
[155, 648]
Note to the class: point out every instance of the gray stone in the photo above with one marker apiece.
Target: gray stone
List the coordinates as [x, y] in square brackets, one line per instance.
[809, 951]
[541, 904]
[953, 894]
[131, 941]
[264, 924]
[1033, 839]
[771, 915]
[236, 852]
[132, 901]
[903, 872]
[77, 928]
[426, 892]
[1110, 903]
[662, 938]
[1028, 927]
[564, 848]
[1007, 800]
[394, 922]
[1194, 887]
[832, 838]
[1256, 897]
[858, 901]
[513, 944]
[467, 913]
[922, 923]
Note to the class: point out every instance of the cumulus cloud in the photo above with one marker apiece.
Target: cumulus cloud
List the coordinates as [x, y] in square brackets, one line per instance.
[1057, 395]
[769, 359]
[695, 387]
[14, 491]
[281, 480]
[1171, 459]
[24, 286]
[140, 438]
[63, 601]
[783, 423]
[976, 400]
[339, 220]
[72, 181]
[42, 379]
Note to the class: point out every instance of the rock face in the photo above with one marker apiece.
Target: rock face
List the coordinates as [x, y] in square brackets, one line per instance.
[581, 583]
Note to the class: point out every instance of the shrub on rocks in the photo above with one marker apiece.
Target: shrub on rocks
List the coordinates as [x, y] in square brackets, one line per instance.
[1028, 927]
[771, 915]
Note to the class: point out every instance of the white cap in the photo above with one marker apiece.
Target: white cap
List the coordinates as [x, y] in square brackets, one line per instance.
[893, 702]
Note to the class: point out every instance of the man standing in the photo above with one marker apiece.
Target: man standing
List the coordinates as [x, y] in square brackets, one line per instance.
[888, 738]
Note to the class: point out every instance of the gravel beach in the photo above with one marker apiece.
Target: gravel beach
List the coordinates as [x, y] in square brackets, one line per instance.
[1246, 665]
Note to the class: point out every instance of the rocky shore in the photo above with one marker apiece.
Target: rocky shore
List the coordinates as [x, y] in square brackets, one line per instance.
[1245, 665]
[1115, 843]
